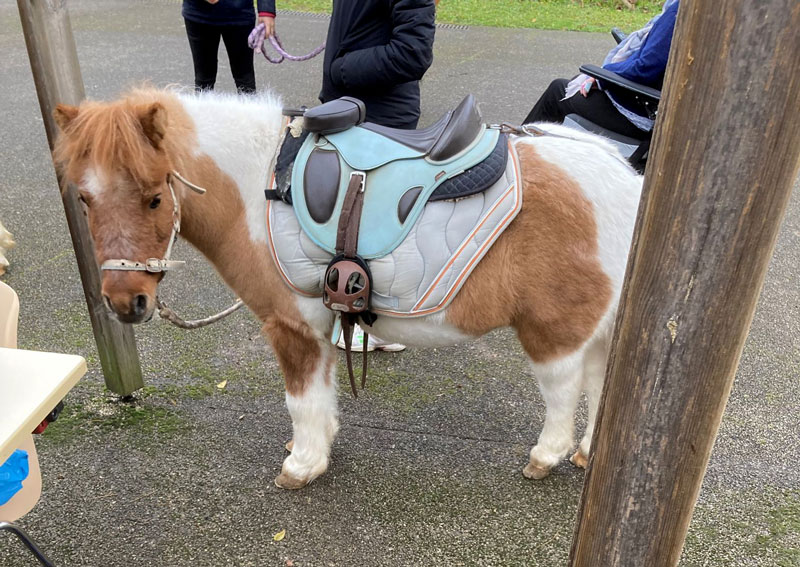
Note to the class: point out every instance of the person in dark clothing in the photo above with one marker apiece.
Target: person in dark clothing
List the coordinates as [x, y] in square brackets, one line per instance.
[377, 51]
[641, 57]
[232, 20]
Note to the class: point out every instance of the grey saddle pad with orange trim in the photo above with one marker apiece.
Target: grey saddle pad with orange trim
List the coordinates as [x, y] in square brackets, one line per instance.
[422, 274]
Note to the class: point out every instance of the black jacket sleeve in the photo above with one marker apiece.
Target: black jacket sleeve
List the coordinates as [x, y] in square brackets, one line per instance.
[405, 58]
[266, 6]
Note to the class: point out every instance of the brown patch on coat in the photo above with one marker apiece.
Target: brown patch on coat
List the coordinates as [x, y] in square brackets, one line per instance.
[216, 224]
[297, 351]
[543, 275]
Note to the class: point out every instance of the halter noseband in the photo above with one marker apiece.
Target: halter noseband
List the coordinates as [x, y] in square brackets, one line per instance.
[158, 265]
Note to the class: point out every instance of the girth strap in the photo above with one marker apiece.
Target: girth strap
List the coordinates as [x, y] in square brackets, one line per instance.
[347, 243]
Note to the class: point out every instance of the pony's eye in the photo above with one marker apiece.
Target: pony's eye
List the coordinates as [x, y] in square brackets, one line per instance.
[155, 202]
[82, 199]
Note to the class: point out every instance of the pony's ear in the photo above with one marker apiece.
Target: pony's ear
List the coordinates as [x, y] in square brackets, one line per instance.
[154, 123]
[64, 114]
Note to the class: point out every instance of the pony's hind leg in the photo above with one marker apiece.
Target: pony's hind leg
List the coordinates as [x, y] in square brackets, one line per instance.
[309, 368]
[594, 369]
[560, 383]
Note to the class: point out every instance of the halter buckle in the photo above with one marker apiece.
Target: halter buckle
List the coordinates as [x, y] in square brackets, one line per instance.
[155, 265]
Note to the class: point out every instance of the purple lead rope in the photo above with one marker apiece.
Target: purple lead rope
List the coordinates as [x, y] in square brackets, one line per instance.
[256, 42]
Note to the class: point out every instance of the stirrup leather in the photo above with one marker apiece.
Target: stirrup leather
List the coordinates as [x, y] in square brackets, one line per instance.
[348, 282]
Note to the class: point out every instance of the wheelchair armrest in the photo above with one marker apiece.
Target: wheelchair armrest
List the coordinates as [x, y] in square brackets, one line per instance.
[597, 72]
[618, 35]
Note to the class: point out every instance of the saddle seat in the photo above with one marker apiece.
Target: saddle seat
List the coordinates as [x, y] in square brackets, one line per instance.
[402, 170]
[451, 134]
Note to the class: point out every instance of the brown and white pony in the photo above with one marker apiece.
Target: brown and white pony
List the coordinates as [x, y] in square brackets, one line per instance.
[554, 275]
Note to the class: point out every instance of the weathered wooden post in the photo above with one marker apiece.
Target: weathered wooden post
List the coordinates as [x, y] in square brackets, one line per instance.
[57, 75]
[724, 158]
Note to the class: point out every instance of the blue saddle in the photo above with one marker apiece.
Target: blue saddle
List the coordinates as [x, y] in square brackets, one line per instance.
[402, 170]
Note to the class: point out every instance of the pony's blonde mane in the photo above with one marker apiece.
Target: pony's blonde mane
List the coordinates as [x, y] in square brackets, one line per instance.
[110, 135]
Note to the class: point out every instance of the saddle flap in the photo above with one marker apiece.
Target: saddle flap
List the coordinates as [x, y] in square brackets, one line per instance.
[396, 189]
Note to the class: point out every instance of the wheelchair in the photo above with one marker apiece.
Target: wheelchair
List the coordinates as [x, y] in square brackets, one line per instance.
[635, 150]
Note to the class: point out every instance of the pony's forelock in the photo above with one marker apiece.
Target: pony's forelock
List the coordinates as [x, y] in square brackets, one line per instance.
[109, 137]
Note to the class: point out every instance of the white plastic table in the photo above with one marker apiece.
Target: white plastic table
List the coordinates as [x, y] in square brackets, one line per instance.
[31, 385]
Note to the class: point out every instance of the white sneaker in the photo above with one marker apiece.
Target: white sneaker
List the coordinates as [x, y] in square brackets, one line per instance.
[358, 341]
[374, 343]
[377, 343]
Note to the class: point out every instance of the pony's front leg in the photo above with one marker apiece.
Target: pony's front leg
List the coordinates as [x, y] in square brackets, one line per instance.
[309, 366]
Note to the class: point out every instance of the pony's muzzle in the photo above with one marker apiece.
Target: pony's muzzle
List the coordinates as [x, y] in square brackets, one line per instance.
[134, 308]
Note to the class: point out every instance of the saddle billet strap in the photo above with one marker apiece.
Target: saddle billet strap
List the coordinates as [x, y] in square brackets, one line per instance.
[364, 361]
[347, 334]
[350, 217]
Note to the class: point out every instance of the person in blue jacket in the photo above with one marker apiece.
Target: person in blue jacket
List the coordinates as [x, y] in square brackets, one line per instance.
[377, 51]
[231, 20]
[641, 57]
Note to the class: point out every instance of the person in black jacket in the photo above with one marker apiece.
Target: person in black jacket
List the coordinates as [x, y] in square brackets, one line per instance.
[377, 51]
[209, 20]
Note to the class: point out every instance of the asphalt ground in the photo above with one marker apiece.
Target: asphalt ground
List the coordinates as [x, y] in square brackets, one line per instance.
[427, 467]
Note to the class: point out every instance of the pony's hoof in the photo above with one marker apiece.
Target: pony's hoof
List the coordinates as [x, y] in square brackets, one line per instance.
[287, 482]
[579, 459]
[289, 445]
[534, 472]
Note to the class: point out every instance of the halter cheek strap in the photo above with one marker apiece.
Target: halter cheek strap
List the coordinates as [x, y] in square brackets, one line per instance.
[158, 265]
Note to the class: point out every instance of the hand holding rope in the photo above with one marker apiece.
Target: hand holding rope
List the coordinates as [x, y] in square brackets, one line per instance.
[256, 43]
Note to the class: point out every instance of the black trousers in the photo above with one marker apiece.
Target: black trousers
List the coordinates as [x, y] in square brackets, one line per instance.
[596, 107]
[204, 43]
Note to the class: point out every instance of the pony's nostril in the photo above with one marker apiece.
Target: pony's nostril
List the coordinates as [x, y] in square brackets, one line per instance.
[139, 304]
[107, 302]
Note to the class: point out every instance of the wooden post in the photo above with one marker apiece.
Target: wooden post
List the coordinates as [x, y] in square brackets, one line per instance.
[57, 75]
[725, 156]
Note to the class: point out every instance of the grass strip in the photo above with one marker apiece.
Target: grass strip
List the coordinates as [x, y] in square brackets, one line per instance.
[589, 15]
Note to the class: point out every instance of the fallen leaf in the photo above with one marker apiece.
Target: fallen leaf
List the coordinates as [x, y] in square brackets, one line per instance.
[279, 536]
[222, 384]
[289, 563]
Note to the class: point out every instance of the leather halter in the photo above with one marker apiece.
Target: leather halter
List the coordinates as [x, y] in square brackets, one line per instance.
[158, 265]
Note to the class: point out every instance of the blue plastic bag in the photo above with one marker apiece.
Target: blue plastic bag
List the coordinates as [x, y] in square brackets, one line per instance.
[12, 473]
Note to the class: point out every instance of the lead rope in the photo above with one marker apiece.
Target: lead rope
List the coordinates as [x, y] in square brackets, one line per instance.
[256, 43]
[169, 315]
[163, 311]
